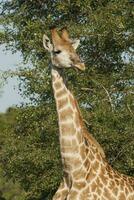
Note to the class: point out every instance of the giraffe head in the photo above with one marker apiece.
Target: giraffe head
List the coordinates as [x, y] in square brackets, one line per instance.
[63, 50]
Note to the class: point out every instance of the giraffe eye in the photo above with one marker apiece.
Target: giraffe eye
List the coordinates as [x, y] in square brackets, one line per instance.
[57, 52]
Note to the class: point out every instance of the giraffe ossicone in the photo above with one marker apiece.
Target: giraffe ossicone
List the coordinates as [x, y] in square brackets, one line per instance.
[87, 175]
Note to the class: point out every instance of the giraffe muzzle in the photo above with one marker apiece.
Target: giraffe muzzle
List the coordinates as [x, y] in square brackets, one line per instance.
[80, 66]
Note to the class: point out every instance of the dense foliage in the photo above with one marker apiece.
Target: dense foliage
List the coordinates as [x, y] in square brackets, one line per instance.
[31, 155]
[9, 189]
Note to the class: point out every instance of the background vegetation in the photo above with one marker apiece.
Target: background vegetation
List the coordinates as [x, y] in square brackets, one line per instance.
[29, 147]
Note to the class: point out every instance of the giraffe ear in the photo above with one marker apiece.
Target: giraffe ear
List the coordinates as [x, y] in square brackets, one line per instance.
[47, 44]
[75, 43]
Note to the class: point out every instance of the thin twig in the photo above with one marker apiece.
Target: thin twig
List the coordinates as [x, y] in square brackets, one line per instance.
[86, 122]
[87, 89]
[120, 152]
[129, 109]
[110, 100]
[108, 95]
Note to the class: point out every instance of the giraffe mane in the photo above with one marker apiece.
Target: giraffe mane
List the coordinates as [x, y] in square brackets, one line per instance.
[87, 135]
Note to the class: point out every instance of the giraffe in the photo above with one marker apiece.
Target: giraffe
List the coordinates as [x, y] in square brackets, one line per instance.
[87, 174]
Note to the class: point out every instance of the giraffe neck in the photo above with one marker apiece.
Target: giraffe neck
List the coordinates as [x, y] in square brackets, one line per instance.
[79, 150]
[71, 140]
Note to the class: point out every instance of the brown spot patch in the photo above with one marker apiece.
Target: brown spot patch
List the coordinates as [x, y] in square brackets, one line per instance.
[66, 114]
[84, 194]
[96, 166]
[98, 156]
[67, 149]
[104, 179]
[61, 93]
[78, 174]
[79, 185]
[107, 194]
[91, 156]
[67, 128]
[99, 191]
[57, 85]
[86, 163]
[66, 142]
[93, 187]
[98, 181]
[122, 196]
[76, 120]
[111, 184]
[72, 101]
[95, 196]
[90, 175]
[62, 102]
[131, 197]
[77, 162]
[126, 191]
[73, 195]
[82, 152]
[115, 190]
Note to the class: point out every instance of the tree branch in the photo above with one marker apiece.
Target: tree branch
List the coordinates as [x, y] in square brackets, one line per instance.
[86, 89]
[110, 100]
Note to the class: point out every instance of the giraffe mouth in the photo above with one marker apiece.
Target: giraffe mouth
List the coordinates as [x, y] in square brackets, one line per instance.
[80, 66]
